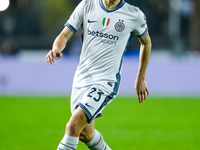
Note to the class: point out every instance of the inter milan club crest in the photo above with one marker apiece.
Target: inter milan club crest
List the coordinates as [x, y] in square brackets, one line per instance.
[119, 26]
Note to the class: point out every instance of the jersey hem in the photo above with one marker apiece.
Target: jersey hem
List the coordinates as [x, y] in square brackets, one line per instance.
[143, 34]
[70, 27]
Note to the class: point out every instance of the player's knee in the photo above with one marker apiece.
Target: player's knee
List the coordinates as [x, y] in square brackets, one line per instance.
[71, 128]
[85, 137]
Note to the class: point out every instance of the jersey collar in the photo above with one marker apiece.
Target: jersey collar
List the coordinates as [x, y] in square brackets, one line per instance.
[114, 9]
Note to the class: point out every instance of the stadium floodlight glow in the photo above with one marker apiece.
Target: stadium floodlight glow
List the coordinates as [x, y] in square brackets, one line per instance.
[4, 4]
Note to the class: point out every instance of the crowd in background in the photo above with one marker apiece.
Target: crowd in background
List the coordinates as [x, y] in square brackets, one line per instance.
[34, 24]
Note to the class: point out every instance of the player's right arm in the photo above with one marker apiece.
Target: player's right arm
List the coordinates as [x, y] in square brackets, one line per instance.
[72, 25]
[58, 45]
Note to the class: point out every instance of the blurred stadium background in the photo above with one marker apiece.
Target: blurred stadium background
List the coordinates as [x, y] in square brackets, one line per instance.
[28, 28]
[33, 94]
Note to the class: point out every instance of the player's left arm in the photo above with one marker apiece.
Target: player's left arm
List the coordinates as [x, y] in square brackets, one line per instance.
[140, 84]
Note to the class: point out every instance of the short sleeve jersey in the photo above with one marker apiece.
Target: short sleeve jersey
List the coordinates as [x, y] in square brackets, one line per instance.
[106, 35]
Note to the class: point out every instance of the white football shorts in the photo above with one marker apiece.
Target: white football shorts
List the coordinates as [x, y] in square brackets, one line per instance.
[92, 99]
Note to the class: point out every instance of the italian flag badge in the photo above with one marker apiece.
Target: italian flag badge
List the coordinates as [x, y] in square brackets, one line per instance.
[105, 22]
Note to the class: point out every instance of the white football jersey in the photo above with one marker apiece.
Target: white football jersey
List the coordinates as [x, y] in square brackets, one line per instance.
[106, 35]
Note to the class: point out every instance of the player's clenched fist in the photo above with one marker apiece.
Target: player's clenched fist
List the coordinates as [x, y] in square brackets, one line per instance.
[53, 55]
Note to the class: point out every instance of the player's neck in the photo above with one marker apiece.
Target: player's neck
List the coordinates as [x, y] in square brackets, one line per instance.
[110, 4]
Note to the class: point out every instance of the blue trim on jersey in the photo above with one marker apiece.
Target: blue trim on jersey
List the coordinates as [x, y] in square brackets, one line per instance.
[82, 37]
[114, 9]
[118, 75]
[70, 27]
[143, 34]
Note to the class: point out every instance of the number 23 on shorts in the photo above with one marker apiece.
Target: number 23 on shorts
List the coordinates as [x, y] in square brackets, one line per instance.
[95, 94]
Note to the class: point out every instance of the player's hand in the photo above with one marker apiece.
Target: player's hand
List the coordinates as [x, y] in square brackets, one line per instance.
[53, 55]
[141, 89]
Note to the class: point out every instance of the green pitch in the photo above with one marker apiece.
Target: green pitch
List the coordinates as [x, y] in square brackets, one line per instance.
[161, 123]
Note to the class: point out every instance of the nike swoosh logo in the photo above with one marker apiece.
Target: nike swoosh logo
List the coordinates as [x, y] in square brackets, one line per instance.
[88, 105]
[89, 21]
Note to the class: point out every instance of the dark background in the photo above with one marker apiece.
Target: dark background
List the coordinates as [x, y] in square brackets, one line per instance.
[34, 24]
